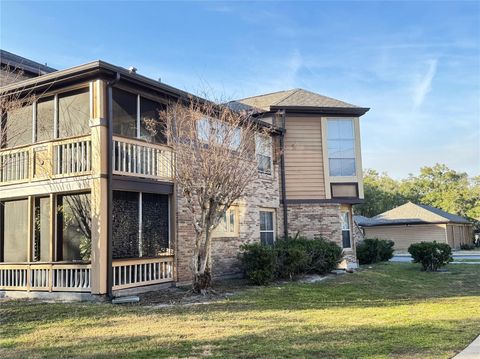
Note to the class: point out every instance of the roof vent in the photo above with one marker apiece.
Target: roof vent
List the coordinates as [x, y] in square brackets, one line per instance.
[132, 70]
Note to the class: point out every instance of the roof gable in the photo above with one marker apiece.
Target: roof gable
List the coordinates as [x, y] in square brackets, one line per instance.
[294, 98]
[415, 213]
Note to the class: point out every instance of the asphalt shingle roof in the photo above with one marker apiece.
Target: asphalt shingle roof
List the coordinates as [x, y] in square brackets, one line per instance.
[293, 98]
[410, 213]
[16, 61]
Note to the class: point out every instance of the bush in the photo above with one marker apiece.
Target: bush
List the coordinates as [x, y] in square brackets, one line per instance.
[431, 255]
[467, 246]
[259, 263]
[289, 257]
[292, 258]
[374, 250]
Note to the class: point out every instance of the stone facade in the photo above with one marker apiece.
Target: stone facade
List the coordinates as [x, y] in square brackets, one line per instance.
[321, 220]
[262, 193]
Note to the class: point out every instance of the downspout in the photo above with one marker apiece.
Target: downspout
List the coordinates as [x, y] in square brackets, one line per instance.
[110, 84]
[282, 177]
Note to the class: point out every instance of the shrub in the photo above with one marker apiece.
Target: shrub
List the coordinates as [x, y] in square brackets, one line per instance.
[292, 258]
[259, 263]
[324, 255]
[288, 258]
[467, 246]
[431, 255]
[373, 250]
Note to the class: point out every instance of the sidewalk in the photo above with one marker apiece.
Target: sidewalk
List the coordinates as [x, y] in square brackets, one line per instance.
[470, 352]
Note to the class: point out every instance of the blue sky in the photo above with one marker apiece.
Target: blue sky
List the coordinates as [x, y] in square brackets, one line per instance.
[416, 64]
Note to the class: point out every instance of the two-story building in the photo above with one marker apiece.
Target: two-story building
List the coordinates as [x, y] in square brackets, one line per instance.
[88, 200]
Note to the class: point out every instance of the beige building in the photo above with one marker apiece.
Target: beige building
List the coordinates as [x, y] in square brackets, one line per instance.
[413, 223]
[89, 204]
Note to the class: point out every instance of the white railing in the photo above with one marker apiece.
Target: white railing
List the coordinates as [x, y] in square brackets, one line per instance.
[133, 157]
[128, 273]
[59, 158]
[72, 157]
[14, 165]
[45, 277]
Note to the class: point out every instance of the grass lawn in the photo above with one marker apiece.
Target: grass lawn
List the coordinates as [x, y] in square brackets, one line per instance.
[388, 310]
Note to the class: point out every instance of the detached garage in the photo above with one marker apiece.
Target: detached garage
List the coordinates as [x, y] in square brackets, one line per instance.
[413, 223]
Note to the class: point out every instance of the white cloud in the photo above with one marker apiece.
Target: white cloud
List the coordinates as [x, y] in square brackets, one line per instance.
[424, 85]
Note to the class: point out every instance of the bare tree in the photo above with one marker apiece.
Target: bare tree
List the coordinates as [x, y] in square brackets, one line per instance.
[215, 162]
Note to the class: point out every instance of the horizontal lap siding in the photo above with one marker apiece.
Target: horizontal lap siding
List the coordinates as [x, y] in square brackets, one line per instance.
[304, 158]
[403, 236]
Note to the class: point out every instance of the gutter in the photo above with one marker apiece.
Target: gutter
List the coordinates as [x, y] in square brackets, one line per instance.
[282, 177]
[110, 84]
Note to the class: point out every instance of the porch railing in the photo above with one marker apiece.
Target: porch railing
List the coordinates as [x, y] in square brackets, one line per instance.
[59, 158]
[137, 158]
[128, 273]
[50, 277]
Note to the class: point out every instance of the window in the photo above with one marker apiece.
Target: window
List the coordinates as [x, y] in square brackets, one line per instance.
[15, 230]
[151, 129]
[263, 150]
[341, 147]
[41, 236]
[346, 243]
[124, 113]
[18, 127]
[267, 232]
[45, 119]
[228, 226]
[74, 227]
[74, 113]
[210, 130]
[140, 224]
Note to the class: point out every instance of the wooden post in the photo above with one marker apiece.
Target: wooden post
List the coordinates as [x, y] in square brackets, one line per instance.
[99, 195]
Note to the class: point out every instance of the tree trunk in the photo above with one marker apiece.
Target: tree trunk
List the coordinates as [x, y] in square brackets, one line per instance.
[202, 278]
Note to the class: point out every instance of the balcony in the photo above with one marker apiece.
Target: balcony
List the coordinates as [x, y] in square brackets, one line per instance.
[52, 160]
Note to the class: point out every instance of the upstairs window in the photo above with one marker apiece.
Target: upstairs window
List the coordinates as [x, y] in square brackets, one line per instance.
[124, 113]
[263, 150]
[74, 113]
[210, 130]
[137, 117]
[341, 147]
[44, 130]
[18, 127]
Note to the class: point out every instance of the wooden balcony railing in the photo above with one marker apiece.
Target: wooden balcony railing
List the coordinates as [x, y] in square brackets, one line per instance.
[59, 158]
[61, 277]
[128, 273]
[137, 158]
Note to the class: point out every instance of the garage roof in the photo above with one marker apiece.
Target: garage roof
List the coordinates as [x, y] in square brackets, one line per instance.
[410, 213]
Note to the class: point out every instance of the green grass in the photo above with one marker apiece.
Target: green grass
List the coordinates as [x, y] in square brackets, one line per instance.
[467, 260]
[390, 310]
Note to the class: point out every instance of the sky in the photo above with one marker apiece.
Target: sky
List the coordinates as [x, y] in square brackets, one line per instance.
[415, 64]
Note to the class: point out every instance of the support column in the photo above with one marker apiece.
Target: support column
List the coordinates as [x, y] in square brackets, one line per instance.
[99, 195]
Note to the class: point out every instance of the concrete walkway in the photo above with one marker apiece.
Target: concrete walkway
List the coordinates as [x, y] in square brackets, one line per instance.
[470, 352]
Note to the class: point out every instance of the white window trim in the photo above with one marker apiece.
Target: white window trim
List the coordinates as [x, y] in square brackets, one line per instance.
[352, 121]
[219, 232]
[270, 152]
[274, 224]
[350, 229]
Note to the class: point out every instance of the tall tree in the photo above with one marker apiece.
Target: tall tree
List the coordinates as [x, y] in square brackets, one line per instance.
[215, 162]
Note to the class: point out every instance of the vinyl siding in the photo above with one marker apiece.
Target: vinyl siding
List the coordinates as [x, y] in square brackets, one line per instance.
[403, 236]
[304, 158]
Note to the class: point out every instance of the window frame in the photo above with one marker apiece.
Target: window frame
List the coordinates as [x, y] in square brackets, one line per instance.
[258, 152]
[138, 121]
[55, 95]
[353, 140]
[274, 224]
[346, 212]
[228, 232]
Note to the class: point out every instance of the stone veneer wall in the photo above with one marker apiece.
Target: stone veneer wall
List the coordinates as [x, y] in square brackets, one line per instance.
[262, 193]
[320, 220]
